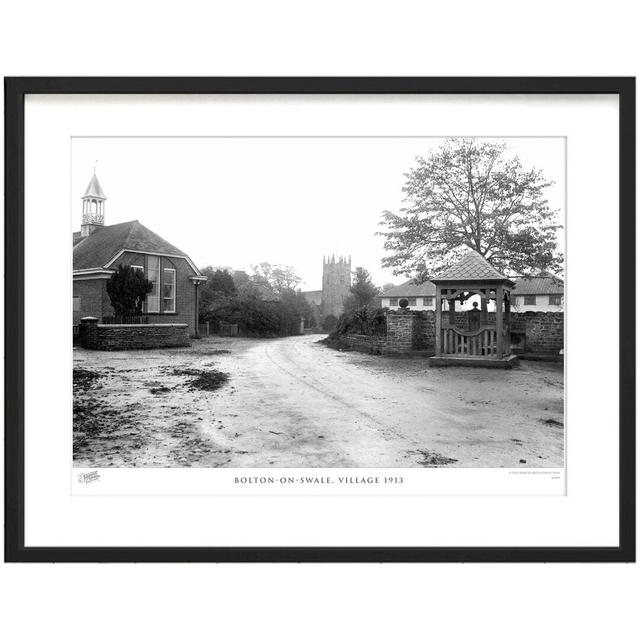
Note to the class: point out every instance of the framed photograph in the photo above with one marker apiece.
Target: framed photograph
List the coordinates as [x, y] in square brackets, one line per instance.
[320, 319]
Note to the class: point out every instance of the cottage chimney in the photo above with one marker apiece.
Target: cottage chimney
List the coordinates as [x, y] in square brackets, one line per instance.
[92, 207]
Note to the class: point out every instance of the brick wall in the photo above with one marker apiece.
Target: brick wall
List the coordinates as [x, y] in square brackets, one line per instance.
[185, 290]
[90, 293]
[94, 299]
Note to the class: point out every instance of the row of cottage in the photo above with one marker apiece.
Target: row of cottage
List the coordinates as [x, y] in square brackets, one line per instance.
[542, 293]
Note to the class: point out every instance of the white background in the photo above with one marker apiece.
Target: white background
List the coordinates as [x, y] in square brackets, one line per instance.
[334, 38]
[54, 517]
[312, 186]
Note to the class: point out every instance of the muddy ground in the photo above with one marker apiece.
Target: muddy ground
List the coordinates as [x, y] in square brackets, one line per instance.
[293, 402]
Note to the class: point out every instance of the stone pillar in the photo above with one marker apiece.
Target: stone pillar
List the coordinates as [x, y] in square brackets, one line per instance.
[89, 332]
[400, 332]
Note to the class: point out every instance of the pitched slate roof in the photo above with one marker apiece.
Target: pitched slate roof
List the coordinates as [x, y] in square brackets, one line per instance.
[538, 285]
[94, 190]
[410, 289]
[97, 249]
[471, 266]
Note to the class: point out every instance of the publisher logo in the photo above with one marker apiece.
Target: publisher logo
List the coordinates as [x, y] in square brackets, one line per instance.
[87, 478]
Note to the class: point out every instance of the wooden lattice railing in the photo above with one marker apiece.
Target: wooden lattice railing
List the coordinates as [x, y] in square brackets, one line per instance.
[481, 342]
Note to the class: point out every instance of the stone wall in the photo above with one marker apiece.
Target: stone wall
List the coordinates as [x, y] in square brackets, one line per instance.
[120, 337]
[544, 331]
[376, 345]
[425, 330]
[407, 331]
[401, 330]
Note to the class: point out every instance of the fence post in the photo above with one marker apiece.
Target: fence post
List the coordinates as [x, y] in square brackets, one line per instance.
[438, 320]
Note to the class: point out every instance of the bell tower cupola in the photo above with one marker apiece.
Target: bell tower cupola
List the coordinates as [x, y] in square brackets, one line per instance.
[92, 207]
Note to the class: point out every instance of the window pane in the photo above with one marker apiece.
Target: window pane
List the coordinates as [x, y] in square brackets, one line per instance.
[428, 302]
[153, 272]
[169, 290]
[412, 302]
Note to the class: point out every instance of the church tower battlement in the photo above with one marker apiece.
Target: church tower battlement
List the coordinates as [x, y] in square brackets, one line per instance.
[336, 283]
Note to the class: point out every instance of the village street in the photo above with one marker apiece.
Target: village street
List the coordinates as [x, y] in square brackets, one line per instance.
[293, 402]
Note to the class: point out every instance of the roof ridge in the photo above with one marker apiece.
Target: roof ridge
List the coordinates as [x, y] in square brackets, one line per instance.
[118, 224]
[132, 226]
[471, 266]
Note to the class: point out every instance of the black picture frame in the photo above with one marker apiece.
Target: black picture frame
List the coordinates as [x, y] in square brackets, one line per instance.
[15, 91]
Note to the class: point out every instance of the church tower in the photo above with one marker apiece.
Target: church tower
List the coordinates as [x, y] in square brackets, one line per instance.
[336, 282]
[92, 207]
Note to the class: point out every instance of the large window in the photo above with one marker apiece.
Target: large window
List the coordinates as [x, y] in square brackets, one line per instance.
[169, 290]
[412, 302]
[555, 300]
[393, 302]
[428, 302]
[153, 275]
[529, 300]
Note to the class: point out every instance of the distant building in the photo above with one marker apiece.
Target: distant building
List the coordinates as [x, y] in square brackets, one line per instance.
[99, 249]
[538, 293]
[314, 298]
[336, 286]
[421, 297]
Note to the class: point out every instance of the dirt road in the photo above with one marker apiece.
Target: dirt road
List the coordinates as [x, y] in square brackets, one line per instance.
[293, 402]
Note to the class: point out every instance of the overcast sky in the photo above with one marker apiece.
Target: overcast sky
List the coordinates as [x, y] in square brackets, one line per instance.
[240, 201]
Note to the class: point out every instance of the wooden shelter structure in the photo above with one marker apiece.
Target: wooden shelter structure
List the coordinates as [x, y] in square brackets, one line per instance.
[473, 338]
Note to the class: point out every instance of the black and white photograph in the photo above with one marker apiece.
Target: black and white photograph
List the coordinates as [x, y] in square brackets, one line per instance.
[320, 320]
[318, 302]
[363, 315]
